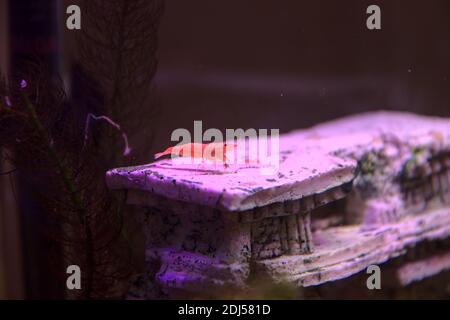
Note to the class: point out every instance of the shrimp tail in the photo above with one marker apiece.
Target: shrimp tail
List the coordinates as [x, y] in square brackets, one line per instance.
[159, 155]
[164, 153]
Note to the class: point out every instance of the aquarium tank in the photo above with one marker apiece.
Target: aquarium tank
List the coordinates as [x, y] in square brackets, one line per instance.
[211, 151]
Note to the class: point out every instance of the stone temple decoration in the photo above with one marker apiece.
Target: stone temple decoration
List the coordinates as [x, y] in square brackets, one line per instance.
[349, 193]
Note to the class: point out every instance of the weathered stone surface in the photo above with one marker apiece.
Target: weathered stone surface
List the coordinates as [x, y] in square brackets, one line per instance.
[343, 251]
[194, 272]
[305, 169]
[213, 226]
[423, 268]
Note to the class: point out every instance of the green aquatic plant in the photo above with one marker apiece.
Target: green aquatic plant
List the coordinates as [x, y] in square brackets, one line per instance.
[40, 136]
[412, 165]
[117, 49]
[368, 179]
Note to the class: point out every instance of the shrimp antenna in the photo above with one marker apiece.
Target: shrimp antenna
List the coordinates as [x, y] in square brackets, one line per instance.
[108, 120]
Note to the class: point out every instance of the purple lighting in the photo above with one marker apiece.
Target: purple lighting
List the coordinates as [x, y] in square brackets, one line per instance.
[127, 149]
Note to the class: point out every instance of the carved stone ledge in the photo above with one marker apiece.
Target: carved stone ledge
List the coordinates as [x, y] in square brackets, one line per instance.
[352, 192]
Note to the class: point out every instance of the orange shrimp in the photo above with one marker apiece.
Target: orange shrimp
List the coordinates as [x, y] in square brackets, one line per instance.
[211, 151]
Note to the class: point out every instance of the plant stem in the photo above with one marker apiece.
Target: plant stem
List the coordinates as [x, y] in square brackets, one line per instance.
[76, 199]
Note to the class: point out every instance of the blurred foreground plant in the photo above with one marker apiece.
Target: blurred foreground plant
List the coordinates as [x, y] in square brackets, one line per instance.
[53, 142]
[40, 136]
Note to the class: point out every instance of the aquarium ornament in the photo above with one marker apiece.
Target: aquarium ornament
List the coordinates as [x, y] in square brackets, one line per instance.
[349, 193]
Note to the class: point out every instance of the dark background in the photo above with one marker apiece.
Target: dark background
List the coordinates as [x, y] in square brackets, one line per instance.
[290, 64]
[250, 64]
